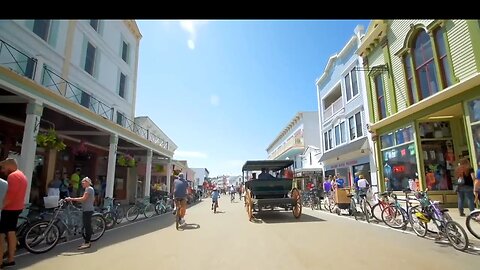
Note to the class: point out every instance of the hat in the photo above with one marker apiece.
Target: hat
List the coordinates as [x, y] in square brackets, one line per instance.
[86, 179]
[8, 161]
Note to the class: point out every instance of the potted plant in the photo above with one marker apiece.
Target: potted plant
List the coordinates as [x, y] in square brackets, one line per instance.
[50, 140]
[126, 161]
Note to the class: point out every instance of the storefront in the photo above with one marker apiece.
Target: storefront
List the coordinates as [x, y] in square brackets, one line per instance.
[346, 170]
[425, 152]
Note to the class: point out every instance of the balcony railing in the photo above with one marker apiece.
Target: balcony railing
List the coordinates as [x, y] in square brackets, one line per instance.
[332, 109]
[25, 65]
[17, 61]
[291, 143]
[54, 82]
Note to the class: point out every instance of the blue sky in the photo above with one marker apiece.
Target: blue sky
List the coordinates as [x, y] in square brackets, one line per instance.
[223, 90]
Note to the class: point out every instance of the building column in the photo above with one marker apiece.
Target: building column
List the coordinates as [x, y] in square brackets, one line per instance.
[148, 172]
[112, 160]
[39, 69]
[169, 176]
[29, 143]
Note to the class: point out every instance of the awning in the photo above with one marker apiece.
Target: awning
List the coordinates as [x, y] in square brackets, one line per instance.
[358, 145]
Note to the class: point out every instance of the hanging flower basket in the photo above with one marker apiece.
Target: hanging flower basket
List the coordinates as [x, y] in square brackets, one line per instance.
[159, 168]
[126, 161]
[50, 140]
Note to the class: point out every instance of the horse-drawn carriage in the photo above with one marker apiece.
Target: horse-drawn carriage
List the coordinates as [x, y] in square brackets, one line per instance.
[269, 191]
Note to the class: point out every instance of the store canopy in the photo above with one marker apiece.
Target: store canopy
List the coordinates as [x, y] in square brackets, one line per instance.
[358, 145]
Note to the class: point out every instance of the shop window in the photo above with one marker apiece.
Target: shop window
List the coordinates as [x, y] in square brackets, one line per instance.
[474, 110]
[399, 167]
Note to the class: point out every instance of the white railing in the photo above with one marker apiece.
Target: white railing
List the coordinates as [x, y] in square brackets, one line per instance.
[290, 143]
[334, 108]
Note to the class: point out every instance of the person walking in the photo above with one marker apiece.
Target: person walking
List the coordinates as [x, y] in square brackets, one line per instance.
[87, 201]
[465, 175]
[13, 205]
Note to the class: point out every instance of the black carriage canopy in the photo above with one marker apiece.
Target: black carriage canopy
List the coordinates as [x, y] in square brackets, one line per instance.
[273, 165]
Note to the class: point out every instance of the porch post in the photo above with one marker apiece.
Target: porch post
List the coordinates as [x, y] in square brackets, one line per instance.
[169, 176]
[148, 173]
[29, 143]
[112, 160]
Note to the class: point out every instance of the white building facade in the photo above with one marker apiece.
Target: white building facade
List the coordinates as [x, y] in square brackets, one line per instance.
[299, 134]
[77, 77]
[201, 175]
[346, 144]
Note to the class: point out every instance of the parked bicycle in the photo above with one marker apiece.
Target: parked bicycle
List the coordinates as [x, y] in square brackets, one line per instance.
[431, 211]
[163, 205]
[141, 207]
[66, 222]
[473, 223]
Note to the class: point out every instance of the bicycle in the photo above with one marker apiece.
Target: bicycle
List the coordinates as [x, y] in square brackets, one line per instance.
[178, 207]
[394, 210]
[66, 219]
[473, 223]
[381, 204]
[163, 205]
[431, 211]
[140, 206]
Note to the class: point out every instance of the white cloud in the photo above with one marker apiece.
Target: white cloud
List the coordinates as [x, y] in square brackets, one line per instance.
[191, 28]
[189, 154]
[214, 100]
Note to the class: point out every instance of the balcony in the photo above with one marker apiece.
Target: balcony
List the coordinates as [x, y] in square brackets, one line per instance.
[290, 144]
[331, 110]
[24, 65]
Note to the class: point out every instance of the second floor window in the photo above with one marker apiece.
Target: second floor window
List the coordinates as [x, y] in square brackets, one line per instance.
[411, 87]
[42, 28]
[94, 24]
[125, 51]
[441, 44]
[120, 119]
[351, 127]
[358, 123]
[90, 58]
[425, 67]
[382, 110]
[351, 84]
[122, 85]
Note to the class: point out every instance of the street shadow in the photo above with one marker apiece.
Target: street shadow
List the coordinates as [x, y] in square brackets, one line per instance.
[191, 226]
[219, 212]
[92, 249]
[273, 217]
[124, 232]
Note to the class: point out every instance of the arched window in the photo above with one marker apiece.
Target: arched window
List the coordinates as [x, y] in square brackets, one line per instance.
[441, 45]
[424, 63]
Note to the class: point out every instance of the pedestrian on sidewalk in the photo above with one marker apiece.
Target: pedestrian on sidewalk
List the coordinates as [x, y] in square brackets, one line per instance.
[464, 176]
[87, 201]
[13, 205]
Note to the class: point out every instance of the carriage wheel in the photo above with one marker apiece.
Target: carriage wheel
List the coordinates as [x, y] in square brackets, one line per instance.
[249, 204]
[297, 204]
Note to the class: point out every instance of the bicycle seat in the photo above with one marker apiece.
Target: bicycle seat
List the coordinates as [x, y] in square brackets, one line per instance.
[407, 191]
[350, 195]
[362, 195]
[444, 210]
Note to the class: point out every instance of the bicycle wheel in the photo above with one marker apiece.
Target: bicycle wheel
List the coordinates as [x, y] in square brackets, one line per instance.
[98, 227]
[419, 227]
[110, 219]
[149, 210]
[473, 223]
[132, 213]
[367, 210]
[41, 237]
[456, 235]
[377, 211]
[119, 214]
[393, 217]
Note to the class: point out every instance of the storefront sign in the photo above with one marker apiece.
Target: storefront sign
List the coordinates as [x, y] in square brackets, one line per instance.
[347, 163]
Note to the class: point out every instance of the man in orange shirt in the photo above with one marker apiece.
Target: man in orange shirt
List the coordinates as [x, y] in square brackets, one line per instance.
[13, 205]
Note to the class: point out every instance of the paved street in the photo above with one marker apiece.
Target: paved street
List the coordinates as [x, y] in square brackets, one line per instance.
[275, 241]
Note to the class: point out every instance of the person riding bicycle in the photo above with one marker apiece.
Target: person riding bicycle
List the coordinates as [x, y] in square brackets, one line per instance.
[362, 185]
[215, 196]
[180, 186]
[232, 192]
